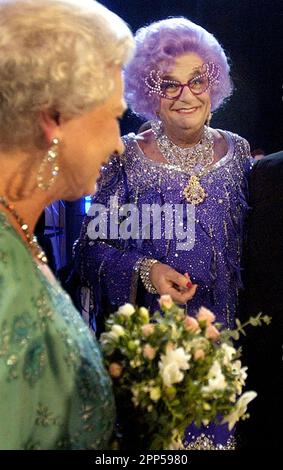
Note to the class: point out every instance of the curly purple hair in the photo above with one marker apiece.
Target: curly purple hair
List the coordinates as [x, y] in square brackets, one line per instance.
[157, 47]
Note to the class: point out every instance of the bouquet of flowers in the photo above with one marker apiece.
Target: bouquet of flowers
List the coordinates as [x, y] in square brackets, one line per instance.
[171, 369]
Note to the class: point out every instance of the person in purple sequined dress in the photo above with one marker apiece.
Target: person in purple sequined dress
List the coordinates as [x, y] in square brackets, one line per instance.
[195, 174]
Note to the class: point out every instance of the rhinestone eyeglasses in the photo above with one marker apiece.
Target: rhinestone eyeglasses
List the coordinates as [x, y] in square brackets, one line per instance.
[172, 89]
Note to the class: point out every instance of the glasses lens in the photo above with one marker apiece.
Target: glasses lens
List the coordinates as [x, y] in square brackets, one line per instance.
[199, 84]
[171, 90]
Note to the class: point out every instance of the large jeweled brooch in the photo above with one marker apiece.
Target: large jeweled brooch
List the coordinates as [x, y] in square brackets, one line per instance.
[194, 192]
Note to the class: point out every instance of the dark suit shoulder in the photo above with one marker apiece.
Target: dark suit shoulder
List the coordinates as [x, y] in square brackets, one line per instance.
[266, 179]
[270, 162]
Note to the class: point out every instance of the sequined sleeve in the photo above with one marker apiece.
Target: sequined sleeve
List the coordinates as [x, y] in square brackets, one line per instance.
[243, 155]
[108, 266]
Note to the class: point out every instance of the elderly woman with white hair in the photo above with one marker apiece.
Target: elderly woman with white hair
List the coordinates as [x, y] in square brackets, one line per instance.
[195, 174]
[61, 96]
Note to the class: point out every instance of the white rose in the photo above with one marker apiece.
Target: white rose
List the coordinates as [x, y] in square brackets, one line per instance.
[126, 310]
[171, 374]
[117, 331]
[177, 356]
[171, 365]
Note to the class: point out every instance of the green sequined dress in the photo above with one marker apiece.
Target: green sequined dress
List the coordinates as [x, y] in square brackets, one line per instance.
[54, 390]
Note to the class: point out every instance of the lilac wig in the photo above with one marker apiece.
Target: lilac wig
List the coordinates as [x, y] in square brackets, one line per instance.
[157, 47]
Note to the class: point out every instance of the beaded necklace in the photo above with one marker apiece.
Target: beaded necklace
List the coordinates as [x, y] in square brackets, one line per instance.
[31, 240]
[192, 160]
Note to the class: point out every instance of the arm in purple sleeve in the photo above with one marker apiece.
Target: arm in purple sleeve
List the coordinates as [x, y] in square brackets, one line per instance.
[108, 265]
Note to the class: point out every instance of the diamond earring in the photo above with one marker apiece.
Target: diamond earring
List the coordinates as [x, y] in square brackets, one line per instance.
[49, 158]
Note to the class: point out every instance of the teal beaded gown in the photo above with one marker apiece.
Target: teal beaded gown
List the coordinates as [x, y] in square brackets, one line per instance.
[54, 390]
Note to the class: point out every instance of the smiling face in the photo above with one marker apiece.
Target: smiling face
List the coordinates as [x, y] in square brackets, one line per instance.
[189, 112]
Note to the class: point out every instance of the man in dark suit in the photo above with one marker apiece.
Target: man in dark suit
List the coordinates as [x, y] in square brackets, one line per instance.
[263, 346]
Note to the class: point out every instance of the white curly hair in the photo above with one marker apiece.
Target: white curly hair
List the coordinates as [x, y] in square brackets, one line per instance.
[55, 55]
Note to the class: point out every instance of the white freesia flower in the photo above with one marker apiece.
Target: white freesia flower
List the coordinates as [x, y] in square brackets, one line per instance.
[240, 375]
[240, 372]
[171, 365]
[216, 379]
[126, 310]
[240, 409]
[229, 352]
[233, 398]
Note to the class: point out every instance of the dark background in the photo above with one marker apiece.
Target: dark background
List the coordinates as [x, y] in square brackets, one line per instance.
[251, 32]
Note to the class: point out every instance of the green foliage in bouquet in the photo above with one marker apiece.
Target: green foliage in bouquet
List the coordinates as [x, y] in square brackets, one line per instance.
[173, 369]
